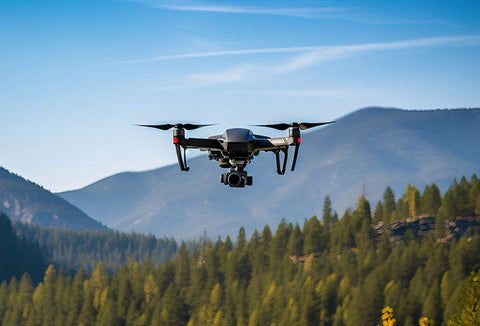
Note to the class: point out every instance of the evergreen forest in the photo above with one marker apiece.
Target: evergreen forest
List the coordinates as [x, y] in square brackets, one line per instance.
[327, 271]
[72, 250]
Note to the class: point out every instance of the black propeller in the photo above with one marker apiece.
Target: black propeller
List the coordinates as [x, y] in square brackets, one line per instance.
[186, 126]
[302, 125]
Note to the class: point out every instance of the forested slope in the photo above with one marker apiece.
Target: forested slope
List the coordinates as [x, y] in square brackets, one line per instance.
[327, 272]
[18, 255]
[73, 250]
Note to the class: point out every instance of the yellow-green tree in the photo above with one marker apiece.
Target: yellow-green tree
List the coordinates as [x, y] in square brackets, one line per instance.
[468, 305]
[412, 198]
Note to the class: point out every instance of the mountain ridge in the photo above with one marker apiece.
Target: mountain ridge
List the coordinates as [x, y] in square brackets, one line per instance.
[29, 202]
[369, 149]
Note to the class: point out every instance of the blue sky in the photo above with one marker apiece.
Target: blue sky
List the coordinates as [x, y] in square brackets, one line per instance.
[75, 76]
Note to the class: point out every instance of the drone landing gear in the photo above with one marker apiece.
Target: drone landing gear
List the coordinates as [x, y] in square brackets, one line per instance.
[281, 170]
[285, 156]
[182, 162]
[236, 178]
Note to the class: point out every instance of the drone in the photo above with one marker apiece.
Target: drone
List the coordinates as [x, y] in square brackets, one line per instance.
[236, 147]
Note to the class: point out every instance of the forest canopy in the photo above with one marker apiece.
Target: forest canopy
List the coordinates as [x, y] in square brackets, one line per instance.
[328, 271]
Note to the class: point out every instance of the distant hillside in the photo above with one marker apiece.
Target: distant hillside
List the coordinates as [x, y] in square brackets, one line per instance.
[26, 201]
[369, 149]
[73, 250]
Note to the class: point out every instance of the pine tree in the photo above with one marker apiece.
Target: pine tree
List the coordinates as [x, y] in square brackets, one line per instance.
[432, 305]
[446, 211]
[460, 194]
[76, 298]
[430, 201]
[241, 240]
[327, 216]
[412, 198]
[48, 311]
[295, 242]
[378, 214]
[388, 204]
[312, 232]
[152, 293]
[280, 240]
[468, 307]
[183, 266]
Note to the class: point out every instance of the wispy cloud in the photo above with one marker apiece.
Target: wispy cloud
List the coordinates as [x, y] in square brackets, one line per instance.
[217, 54]
[313, 12]
[308, 57]
[323, 53]
[312, 53]
[234, 74]
[326, 12]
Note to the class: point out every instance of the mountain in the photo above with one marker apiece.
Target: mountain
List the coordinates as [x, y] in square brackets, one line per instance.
[365, 151]
[24, 200]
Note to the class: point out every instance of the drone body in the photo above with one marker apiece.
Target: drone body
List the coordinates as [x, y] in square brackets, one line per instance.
[236, 147]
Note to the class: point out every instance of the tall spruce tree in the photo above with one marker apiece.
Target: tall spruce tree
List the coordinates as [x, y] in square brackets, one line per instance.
[388, 204]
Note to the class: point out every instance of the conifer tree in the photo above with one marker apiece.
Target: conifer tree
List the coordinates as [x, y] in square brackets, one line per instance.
[327, 216]
[312, 231]
[295, 242]
[183, 266]
[241, 240]
[280, 240]
[388, 204]
[461, 192]
[432, 304]
[468, 306]
[378, 214]
[48, 311]
[430, 200]
[152, 293]
[412, 198]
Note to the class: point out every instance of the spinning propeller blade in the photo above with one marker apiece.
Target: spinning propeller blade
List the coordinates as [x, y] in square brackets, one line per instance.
[308, 125]
[186, 126]
[278, 126]
[302, 125]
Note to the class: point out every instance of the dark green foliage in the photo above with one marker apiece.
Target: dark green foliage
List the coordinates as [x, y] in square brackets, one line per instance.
[85, 249]
[316, 276]
[431, 200]
[295, 242]
[18, 255]
[379, 213]
[329, 218]
[389, 204]
[313, 236]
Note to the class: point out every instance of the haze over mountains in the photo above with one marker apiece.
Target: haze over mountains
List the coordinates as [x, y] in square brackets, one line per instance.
[26, 201]
[369, 150]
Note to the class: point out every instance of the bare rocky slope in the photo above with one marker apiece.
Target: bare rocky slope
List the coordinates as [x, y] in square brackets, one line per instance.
[26, 201]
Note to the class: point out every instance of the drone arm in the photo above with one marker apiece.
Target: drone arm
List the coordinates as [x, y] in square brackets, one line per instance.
[201, 143]
[273, 144]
